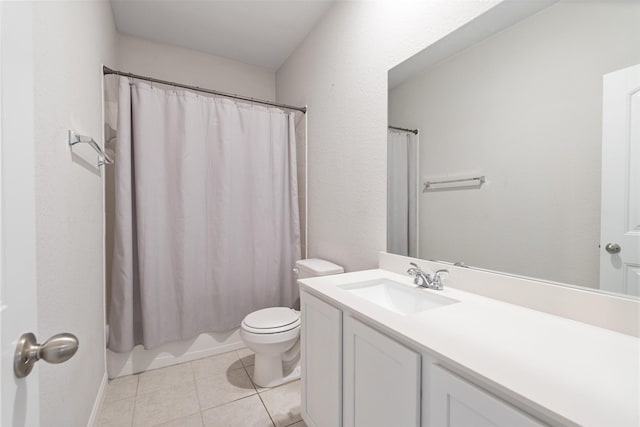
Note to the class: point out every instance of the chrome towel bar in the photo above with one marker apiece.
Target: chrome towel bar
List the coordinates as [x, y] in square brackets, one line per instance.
[103, 158]
[475, 180]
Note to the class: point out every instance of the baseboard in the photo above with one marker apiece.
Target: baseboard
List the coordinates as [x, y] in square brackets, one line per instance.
[95, 412]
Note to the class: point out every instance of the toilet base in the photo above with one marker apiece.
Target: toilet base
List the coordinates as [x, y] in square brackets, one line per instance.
[269, 371]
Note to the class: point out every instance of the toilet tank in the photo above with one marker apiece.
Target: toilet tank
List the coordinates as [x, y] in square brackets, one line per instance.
[316, 267]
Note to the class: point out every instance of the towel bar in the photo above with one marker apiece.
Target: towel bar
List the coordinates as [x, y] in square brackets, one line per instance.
[103, 158]
[428, 185]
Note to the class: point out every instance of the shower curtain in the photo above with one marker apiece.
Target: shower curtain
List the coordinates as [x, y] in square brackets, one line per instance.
[206, 224]
[402, 181]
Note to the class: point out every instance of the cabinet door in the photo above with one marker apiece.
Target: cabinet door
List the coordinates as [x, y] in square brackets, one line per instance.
[457, 403]
[321, 354]
[381, 379]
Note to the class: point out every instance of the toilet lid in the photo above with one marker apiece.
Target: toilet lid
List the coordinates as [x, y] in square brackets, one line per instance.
[271, 318]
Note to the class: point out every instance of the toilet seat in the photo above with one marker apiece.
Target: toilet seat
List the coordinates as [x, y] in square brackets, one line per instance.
[271, 320]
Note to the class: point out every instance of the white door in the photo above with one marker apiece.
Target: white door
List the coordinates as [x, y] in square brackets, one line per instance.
[321, 346]
[457, 403]
[620, 228]
[19, 397]
[381, 379]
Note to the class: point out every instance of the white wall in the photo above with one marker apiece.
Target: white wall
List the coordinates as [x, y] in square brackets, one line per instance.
[162, 61]
[524, 108]
[71, 41]
[340, 71]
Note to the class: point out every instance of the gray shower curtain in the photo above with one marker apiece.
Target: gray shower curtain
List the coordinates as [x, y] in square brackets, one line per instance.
[206, 224]
[402, 202]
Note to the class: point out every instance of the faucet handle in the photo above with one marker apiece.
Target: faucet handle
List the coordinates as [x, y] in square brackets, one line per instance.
[437, 280]
[414, 269]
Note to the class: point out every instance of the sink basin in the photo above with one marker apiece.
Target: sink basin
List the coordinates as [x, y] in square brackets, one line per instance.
[397, 297]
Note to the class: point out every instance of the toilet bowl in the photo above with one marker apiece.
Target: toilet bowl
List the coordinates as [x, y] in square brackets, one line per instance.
[274, 333]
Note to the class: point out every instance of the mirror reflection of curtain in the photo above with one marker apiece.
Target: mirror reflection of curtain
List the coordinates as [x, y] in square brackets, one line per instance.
[402, 184]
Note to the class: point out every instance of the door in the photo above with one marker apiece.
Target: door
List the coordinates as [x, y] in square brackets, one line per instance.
[381, 379]
[321, 357]
[19, 397]
[620, 228]
[457, 403]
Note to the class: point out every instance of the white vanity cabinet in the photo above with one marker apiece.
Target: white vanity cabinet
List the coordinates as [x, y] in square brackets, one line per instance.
[321, 347]
[355, 376]
[381, 379]
[454, 402]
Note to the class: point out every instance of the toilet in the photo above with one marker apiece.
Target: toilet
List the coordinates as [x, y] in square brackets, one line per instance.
[274, 333]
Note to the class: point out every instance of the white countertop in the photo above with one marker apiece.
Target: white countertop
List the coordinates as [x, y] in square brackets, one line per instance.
[565, 370]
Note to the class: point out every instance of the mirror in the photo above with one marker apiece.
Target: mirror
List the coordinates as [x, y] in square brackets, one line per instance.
[514, 169]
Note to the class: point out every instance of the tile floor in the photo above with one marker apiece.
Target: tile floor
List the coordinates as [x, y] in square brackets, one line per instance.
[216, 391]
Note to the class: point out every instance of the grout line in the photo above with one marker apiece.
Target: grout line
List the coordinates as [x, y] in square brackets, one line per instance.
[195, 385]
[166, 388]
[135, 398]
[228, 402]
[133, 413]
[265, 408]
[241, 362]
[234, 400]
[251, 379]
[179, 418]
[201, 409]
[260, 397]
[137, 384]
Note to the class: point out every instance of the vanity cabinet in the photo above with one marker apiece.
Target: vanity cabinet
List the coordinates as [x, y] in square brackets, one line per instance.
[381, 379]
[454, 402]
[355, 376]
[321, 352]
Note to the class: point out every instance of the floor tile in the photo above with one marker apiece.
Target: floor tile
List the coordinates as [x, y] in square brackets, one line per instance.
[298, 424]
[214, 365]
[118, 413]
[121, 388]
[283, 403]
[165, 378]
[247, 357]
[165, 405]
[194, 420]
[223, 388]
[246, 412]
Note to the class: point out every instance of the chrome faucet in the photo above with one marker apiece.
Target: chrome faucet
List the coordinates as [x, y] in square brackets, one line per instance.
[425, 280]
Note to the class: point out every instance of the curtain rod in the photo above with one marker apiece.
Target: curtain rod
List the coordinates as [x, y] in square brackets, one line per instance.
[413, 131]
[107, 71]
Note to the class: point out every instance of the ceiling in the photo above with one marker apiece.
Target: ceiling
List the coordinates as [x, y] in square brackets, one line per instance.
[258, 32]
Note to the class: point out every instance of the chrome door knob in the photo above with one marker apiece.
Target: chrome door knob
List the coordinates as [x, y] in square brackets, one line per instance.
[613, 248]
[57, 349]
